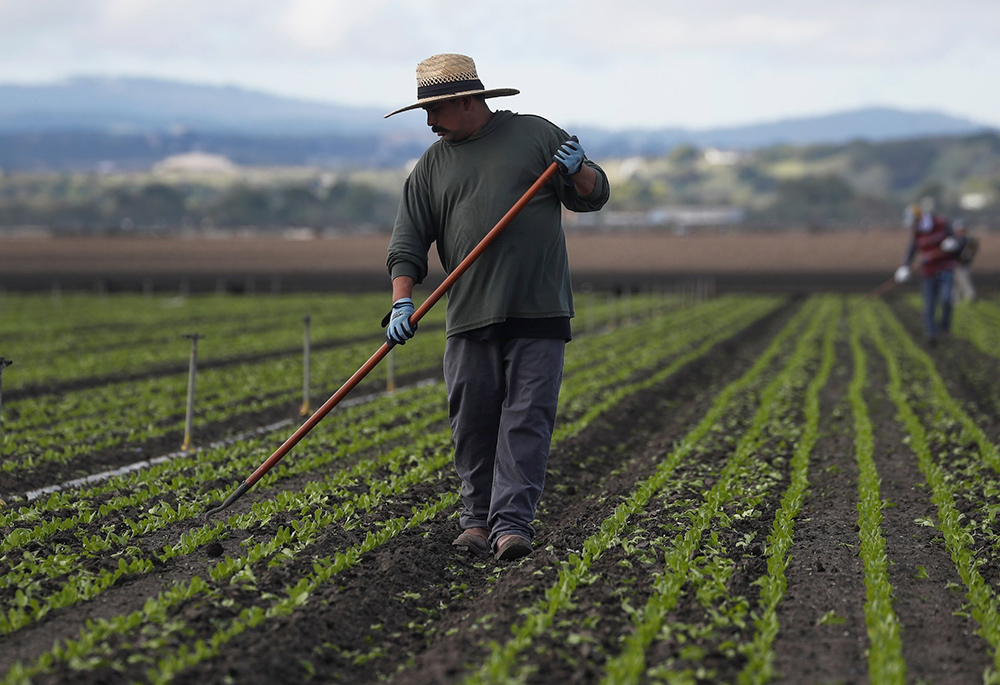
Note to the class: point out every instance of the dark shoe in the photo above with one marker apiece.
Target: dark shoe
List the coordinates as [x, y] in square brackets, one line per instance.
[510, 547]
[474, 541]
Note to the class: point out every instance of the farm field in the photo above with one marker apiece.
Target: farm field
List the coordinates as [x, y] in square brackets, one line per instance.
[747, 488]
[347, 259]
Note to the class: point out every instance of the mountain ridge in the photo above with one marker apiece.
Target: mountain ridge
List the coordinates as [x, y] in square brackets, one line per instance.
[109, 117]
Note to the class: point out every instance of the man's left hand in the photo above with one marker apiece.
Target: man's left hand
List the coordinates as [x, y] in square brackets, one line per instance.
[569, 156]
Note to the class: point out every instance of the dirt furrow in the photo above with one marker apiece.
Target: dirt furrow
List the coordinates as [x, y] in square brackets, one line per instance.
[822, 635]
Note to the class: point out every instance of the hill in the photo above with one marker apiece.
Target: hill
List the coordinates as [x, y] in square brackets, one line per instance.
[129, 123]
[140, 105]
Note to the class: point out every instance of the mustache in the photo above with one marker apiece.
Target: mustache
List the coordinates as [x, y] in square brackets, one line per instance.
[438, 129]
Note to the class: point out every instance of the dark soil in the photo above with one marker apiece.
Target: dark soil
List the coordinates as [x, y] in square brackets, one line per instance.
[939, 640]
[417, 611]
[825, 573]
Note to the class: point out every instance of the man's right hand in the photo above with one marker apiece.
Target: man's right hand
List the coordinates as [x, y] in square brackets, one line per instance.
[398, 328]
[902, 274]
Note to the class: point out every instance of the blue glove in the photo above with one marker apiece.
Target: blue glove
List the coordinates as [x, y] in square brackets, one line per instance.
[569, 157]
[397, 322]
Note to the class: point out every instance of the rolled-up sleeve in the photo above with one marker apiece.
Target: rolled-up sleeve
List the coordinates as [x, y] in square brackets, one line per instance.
[568, 196]
[412, 235]
[590, 203]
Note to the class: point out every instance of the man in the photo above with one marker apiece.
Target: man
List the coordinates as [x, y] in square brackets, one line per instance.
[932, 237]
[508, 316]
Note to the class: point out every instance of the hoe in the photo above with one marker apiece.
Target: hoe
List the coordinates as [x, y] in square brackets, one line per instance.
[386, 346]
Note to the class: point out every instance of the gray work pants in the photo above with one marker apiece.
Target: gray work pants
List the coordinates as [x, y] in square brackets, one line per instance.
[502, 397]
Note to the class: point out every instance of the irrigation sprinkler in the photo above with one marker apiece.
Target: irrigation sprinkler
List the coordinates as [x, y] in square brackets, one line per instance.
[193, 337]
[382, 351]
[390, 376]
[305, 409]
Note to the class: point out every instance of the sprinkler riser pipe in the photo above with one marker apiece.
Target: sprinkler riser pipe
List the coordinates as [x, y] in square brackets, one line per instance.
[192, 372]
[306, 409]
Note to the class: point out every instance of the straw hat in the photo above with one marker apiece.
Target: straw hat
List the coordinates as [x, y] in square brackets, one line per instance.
[447, 76]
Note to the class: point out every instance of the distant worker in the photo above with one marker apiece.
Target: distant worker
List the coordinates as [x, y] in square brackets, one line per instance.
[508, 317]
[968, 246]
[932, 237]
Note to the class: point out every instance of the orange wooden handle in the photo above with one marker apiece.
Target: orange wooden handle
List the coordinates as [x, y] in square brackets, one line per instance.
[414, 318]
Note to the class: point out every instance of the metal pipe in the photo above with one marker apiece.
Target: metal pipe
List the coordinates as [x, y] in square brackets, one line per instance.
[305, 409]
[193, 337]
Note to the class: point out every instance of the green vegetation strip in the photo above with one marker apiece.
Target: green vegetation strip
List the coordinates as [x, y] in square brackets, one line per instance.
[760, 653]
[958, 540]
[885, 655]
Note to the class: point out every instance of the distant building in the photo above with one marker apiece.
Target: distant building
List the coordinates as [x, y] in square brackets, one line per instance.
[196, 162]
[974, 201]
[678, 218]
[716, 157]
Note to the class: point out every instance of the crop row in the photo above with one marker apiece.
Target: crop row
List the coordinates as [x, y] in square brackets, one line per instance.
[140, 335]
[59, 429]
[91, 338]
[885, 658]
[741, 316]
[958, 460]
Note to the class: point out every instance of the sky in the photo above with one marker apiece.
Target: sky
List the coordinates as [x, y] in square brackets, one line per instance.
[615, 64]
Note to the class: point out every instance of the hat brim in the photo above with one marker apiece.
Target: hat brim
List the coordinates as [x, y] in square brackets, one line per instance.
[491, 93]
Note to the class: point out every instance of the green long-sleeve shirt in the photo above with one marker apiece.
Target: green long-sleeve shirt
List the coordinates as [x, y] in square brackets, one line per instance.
[458, 191]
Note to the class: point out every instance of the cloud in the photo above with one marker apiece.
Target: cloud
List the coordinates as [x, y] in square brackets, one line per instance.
[641, 61]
